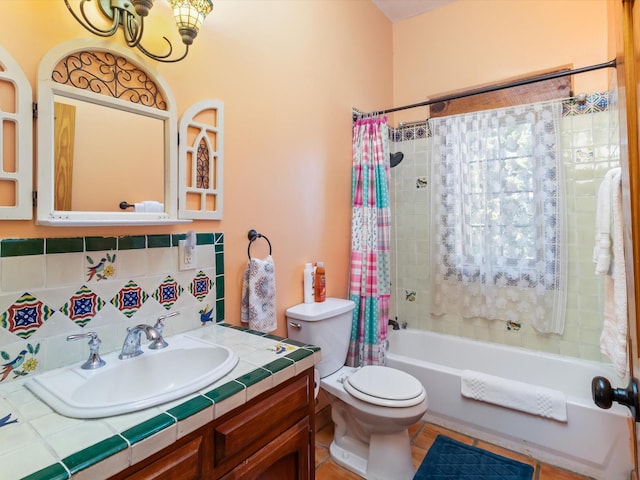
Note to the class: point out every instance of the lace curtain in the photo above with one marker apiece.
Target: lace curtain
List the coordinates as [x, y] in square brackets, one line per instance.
[498, 224]
[370, 281]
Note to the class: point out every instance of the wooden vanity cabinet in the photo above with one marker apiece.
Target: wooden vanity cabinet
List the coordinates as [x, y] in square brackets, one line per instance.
[270, 437]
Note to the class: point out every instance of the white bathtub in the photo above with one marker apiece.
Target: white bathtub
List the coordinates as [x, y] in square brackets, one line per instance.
[593, 442]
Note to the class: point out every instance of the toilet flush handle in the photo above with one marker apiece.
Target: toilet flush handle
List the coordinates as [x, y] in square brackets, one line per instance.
[295, 325]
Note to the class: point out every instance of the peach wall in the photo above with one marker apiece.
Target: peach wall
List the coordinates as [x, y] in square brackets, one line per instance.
[471, 42]
[289, 72]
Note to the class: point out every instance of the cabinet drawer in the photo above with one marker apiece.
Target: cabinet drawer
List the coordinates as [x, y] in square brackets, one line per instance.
[240, 436]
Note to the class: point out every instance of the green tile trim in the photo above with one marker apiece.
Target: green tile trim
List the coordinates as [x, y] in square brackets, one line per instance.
[255, 332]
[218, 239]
[294, 342]
[158, 241]
[299, 354]
[219, 263]
[132, 242]
[225, 391]
[219, 310]
[313, 348]
[95, 453]
[253, 377]
[148, 428]
[204, 238]
[190, 407]
[65, 245]
[17, 247]
[98, 244]
[238, 327]
[219, 286]
[52, 472]
[279, 364]
[176, 237]
[274, 337]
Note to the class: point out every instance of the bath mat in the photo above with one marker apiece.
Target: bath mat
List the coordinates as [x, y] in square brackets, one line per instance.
[448, 459]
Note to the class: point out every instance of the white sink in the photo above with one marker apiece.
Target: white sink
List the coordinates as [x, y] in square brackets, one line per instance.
[157, 376]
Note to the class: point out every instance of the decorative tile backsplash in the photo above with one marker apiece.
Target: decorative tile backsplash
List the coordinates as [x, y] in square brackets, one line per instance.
[53, 287]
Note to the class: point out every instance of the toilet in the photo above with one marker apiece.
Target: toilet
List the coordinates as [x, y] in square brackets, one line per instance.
[371, 406]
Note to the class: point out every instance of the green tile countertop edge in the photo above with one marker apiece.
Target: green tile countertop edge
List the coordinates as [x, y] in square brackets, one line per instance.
[52, 472]
[95, 453]
[100, 451]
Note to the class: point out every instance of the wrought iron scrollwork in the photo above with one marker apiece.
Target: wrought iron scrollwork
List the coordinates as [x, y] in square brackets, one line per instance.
[108, 74]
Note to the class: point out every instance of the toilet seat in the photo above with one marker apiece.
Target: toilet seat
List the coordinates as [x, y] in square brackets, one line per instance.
[385, 386]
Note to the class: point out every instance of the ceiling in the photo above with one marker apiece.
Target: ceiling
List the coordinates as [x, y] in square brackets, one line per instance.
[396, 10]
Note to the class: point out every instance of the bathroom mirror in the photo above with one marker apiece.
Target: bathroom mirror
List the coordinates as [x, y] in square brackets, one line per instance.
[107, 133]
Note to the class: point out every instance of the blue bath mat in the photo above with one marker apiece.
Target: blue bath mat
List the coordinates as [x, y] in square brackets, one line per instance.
[448, 459]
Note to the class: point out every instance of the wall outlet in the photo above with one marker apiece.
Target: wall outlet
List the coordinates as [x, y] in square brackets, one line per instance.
[187, 257]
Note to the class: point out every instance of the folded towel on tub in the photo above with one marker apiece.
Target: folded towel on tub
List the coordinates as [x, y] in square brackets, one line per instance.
[541, 401]
[259, 295]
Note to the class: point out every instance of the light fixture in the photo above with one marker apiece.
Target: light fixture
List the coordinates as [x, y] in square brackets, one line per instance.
[129, 14]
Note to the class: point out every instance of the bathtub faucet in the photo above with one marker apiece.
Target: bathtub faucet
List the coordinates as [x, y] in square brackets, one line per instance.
[394, 324]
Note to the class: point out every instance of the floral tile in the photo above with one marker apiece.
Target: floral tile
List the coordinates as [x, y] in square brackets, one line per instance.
[25, 316]
[18, 365]
[168, 292]
[100, 266]
[200, 286]
[130, 299]
[83, 306]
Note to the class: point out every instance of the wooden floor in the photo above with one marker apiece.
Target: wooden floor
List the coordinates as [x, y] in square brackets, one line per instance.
[422, 436]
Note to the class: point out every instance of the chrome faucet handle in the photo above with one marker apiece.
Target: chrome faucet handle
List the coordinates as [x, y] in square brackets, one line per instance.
[159, 342]
[94, 361]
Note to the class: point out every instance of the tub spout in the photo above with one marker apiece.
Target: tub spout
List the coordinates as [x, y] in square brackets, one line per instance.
[394, 324]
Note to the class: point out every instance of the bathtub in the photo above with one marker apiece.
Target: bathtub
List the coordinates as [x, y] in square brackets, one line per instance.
[593, 442]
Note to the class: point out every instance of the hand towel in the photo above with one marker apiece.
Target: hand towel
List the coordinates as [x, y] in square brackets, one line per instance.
[536, 400]
[613, 340]
[259, 295]
[602, 248]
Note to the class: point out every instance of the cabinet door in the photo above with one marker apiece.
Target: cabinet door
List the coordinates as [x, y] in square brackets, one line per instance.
[183, 463]
[244, 433]
[286, 457]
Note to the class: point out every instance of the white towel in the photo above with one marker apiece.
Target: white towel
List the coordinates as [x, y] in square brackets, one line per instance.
[602, 249]
[613, 340]
[541, 401]
[259, 295]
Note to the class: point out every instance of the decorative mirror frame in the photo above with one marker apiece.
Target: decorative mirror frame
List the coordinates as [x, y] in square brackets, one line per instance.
[47, 88]
[201, 160]
[22, 118]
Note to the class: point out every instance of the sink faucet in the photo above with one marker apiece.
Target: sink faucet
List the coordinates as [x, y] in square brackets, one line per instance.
[94, 361]
[131, 347]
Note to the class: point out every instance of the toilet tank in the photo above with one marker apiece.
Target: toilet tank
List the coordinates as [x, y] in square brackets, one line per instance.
[324, 324]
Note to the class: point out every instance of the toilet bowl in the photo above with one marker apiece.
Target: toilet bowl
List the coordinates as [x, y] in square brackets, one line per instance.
[371, 406]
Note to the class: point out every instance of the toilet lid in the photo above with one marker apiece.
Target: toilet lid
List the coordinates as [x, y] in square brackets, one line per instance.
[385, 386]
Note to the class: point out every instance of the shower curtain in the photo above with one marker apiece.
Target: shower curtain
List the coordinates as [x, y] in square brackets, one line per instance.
[370, 284]
[498, 216]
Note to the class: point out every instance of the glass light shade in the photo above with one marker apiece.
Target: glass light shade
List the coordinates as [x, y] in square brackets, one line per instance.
[189, 15]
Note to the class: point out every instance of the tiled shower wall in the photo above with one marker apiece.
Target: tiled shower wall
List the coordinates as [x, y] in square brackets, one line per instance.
[53, 287]
[588, 152]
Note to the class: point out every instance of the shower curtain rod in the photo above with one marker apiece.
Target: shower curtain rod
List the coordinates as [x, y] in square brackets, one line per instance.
[493, 88]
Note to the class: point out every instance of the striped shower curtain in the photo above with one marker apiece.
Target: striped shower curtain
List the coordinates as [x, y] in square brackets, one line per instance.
[370, 284]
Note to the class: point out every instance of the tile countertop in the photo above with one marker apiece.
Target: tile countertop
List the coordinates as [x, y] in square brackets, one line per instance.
[36, 443]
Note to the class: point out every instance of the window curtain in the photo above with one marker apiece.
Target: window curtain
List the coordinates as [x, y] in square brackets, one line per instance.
[370, 283]
[498, 223]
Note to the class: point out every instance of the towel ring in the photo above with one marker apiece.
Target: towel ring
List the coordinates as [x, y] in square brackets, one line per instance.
[253, 235]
